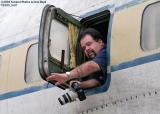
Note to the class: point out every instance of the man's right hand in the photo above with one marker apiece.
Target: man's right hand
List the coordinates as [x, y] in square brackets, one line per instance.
[73, 81]
[59, 77]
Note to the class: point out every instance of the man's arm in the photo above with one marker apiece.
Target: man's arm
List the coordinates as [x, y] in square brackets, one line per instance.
[89, 83]
[85, 69]
[81, 71]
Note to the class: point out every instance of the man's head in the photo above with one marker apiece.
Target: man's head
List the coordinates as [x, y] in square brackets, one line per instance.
[91, 42]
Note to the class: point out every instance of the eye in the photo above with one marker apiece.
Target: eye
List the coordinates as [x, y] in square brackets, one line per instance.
[88, 43]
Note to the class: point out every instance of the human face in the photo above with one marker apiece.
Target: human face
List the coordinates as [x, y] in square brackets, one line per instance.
[90, 46]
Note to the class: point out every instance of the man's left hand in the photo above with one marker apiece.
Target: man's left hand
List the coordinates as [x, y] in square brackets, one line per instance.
[59, 77]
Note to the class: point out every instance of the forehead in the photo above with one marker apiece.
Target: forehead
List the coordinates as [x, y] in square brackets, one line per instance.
[86, 38]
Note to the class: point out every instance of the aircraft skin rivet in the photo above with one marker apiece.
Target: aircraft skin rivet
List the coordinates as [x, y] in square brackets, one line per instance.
[102, 107]
[155, 92]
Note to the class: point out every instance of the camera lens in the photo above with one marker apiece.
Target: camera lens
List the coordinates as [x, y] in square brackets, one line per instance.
[67, 97]
[63, 100]
[77, 92]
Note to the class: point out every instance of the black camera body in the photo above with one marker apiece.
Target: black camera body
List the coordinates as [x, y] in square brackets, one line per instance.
[77, 92]
[76, 87]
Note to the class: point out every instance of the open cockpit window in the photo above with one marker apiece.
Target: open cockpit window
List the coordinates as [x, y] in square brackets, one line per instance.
[59, 49]
[100, 22]
[57, 41]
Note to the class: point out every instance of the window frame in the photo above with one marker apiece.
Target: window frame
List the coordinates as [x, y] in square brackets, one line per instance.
[25, 75]
[146, 50]
[93, 17]
[45, 59]
[109, 16]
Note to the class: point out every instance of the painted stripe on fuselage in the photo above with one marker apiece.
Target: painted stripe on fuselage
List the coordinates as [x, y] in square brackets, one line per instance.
[136, 62]
[121, 66]
[15, 44]
[25, 91]
[129, 4]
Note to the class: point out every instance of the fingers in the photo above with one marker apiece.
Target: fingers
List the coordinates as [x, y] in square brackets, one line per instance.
[59, 77]
[57, 83]
[54, 73]
[52, 77]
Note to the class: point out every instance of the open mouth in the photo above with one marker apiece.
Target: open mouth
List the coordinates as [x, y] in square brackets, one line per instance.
[91, 54]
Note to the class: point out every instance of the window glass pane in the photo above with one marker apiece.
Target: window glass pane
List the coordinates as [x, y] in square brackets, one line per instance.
[59, 41]
[151, 27]
[32, 71]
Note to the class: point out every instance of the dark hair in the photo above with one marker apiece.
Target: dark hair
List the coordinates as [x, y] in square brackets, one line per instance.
[93, 32]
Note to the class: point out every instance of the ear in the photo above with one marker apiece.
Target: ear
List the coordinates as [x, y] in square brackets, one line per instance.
[100, 41]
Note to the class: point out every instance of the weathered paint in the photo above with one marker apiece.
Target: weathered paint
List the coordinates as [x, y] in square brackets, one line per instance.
[131, 77]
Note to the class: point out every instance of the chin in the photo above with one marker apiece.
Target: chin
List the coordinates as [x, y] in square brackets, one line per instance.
[92, 57]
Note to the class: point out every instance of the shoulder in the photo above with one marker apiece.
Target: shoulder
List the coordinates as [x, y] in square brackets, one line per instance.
[102, 52]
[101, 56]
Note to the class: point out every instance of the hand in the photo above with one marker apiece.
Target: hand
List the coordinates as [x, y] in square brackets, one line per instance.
[59, 77]
[73, 81]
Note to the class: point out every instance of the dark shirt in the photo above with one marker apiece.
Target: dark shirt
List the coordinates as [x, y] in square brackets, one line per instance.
[101, 60]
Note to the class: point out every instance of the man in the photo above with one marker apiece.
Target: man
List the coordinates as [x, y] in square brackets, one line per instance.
[95, 49]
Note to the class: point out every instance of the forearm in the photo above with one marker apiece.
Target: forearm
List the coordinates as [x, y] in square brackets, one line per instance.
[89, 83]
[85, 69]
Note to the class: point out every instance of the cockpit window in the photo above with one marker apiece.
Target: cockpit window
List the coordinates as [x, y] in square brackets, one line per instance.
[31, 69]
[150, 27]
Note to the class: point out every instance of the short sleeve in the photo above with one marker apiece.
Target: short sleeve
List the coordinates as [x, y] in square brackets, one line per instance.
[101, 60]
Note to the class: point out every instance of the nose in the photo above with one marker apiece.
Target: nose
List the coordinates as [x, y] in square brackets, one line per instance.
[87, 48]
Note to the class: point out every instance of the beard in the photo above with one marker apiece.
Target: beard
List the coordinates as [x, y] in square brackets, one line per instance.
[91, 54]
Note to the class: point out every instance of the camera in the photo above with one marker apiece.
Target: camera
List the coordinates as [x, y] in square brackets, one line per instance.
[76, 92]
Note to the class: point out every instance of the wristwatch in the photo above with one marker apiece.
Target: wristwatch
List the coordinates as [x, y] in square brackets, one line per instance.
[68, 75]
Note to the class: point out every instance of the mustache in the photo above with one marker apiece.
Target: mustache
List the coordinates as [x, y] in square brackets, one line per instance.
[92, 52]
